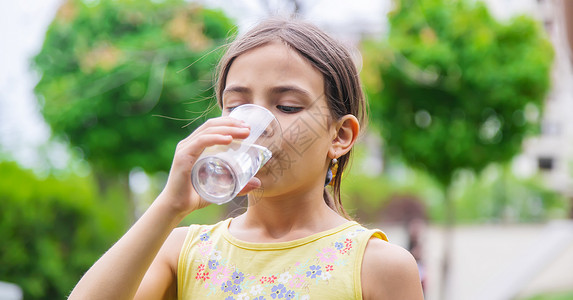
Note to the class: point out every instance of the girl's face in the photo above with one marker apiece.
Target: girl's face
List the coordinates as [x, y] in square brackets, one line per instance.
[278, 78]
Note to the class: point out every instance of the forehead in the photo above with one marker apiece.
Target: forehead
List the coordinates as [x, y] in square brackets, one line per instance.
[274, 61]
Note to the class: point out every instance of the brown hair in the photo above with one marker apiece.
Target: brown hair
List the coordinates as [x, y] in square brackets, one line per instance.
[342, 85]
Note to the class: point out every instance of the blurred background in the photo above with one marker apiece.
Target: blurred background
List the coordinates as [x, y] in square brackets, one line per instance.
[467, 161]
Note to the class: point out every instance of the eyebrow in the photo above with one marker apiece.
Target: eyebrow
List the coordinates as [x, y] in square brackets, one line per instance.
[275, 90]
[236, 89]
[290, 89]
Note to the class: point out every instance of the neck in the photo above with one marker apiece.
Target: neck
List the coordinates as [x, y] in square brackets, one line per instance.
[275, 220]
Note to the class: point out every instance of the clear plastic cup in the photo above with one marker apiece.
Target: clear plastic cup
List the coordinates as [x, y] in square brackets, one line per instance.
[222, 171]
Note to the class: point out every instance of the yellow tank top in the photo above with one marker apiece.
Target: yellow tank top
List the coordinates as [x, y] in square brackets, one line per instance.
[215, 265]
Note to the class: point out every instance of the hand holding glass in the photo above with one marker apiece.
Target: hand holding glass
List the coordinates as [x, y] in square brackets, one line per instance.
[222, 171]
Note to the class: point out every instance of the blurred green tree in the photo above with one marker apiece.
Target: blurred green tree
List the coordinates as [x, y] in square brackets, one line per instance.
[53, 230]
[497, 195]
[456, 88]
[453, 88]
[120, 79]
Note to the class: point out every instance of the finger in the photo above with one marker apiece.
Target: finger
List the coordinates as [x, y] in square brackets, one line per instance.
[232, 129]
[194, 147]
[222, 121]
[228, 130]
[221, 136]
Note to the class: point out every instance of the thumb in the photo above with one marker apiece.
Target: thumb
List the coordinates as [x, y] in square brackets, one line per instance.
[253, 184]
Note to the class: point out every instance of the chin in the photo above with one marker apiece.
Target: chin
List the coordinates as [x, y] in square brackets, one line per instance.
[268, 176]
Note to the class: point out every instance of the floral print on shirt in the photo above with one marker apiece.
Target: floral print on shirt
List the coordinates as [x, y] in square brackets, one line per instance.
[216, 274]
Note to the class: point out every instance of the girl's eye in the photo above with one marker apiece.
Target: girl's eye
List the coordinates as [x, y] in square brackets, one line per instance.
[289, 109]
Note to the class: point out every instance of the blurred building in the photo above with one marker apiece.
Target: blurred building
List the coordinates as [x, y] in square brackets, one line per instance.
[550, 153]
[553, 149]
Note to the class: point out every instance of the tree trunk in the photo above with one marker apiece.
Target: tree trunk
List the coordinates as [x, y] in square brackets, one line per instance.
[571, 207]
[448, 244]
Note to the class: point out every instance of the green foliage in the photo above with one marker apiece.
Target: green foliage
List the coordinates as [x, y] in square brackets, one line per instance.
[208, 215]
[115, 75]
[496, 195]
[491, 196]
[366, 196]
[53, 230]
[452, 86]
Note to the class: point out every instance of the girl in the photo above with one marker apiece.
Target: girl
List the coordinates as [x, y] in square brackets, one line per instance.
[295, 241]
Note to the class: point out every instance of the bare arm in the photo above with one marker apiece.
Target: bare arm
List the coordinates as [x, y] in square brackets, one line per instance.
[160, 281]
[119, 273]
[389, 272]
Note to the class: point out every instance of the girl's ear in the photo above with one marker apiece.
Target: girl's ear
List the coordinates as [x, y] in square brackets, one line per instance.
[347, 129]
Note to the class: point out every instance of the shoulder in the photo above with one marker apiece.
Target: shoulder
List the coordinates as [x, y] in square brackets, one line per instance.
[173, 245]
[182, 239]
[160, 280]
[389, 272]
[177, 236]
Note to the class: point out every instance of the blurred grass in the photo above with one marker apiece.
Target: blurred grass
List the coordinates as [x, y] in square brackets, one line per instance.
[568, 295]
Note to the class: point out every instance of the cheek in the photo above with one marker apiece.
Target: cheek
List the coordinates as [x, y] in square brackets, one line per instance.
[303, 145]
[302, 138]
